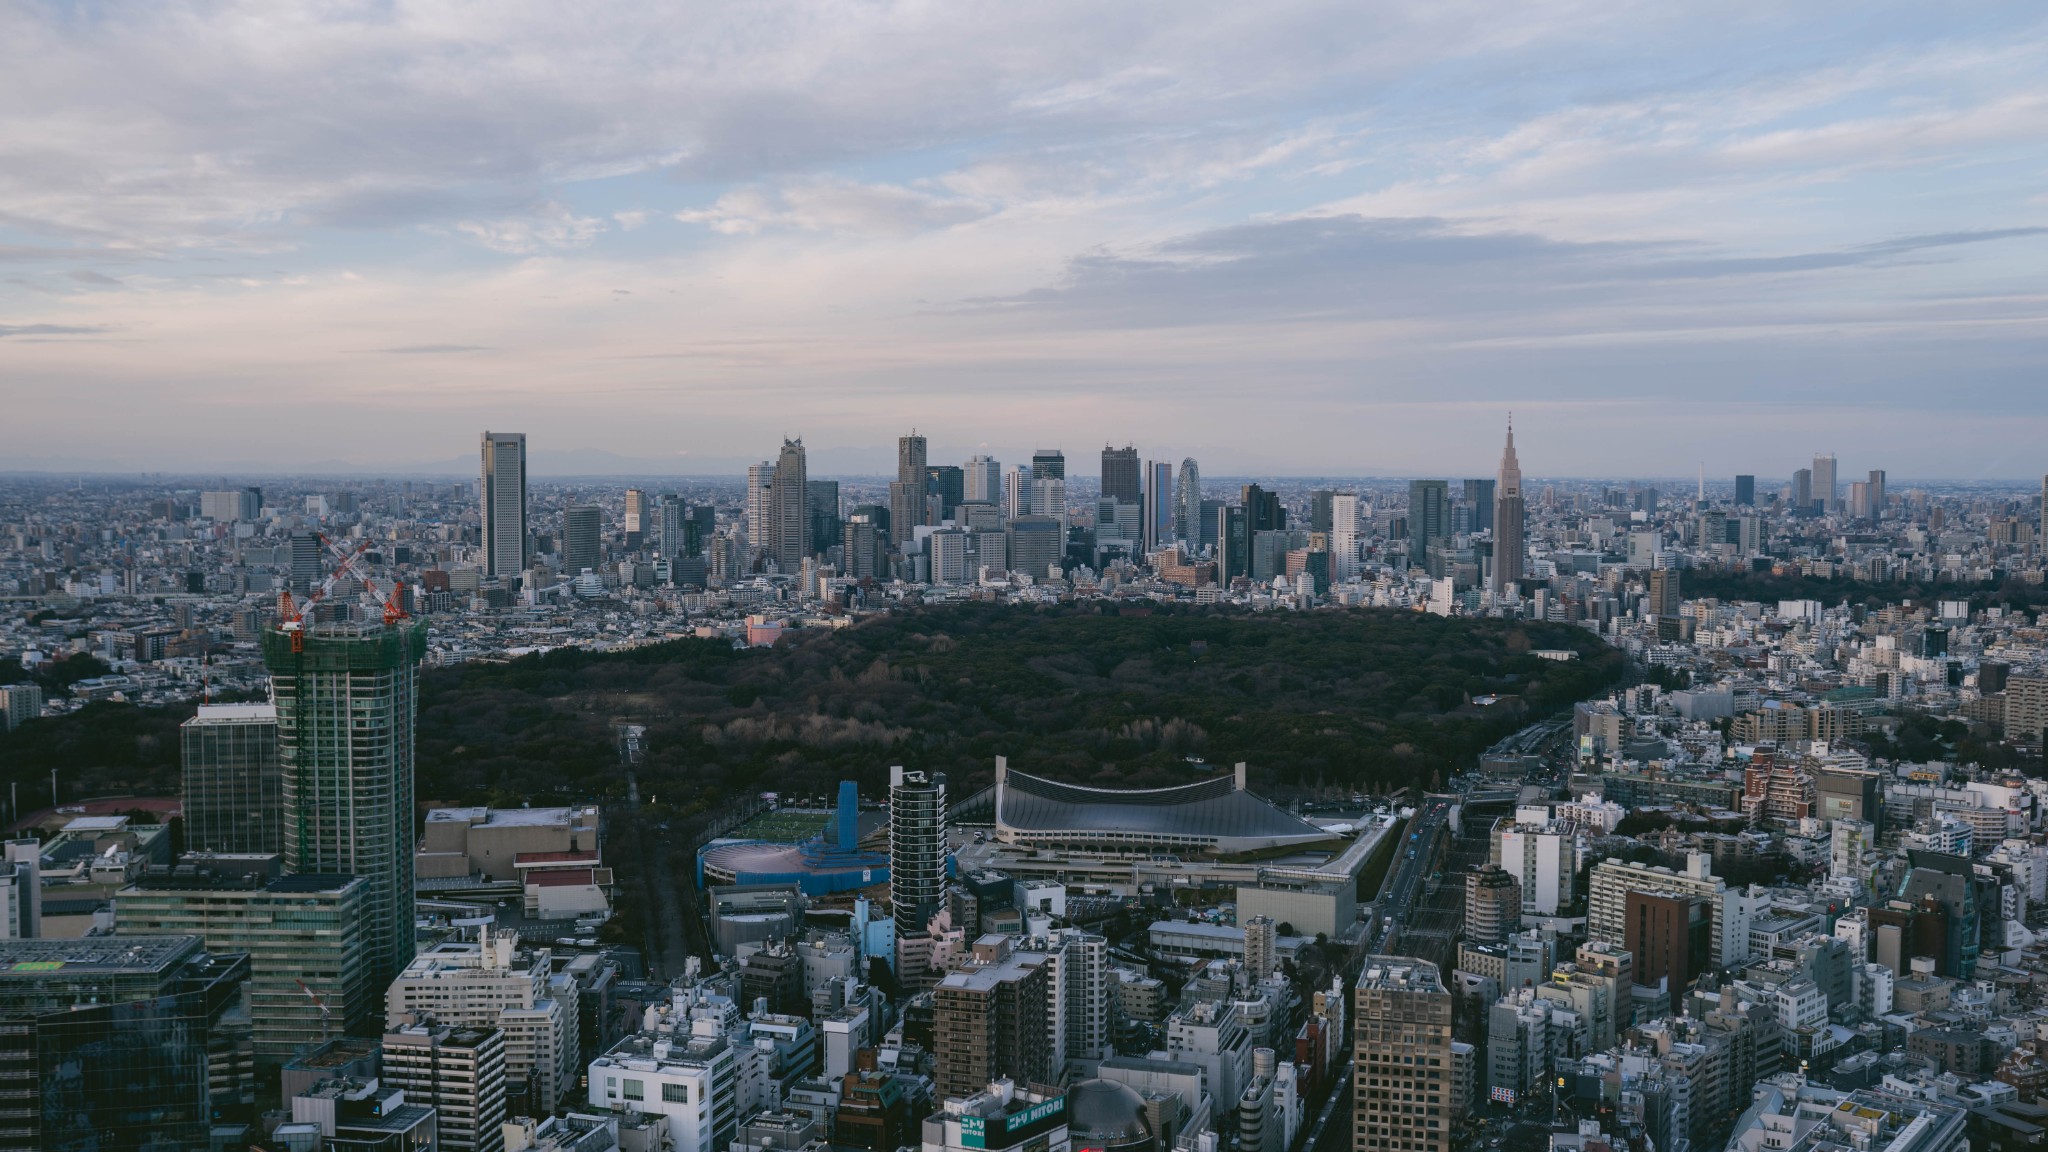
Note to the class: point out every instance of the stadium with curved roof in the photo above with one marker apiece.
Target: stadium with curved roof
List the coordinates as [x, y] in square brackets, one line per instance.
[1212, 817]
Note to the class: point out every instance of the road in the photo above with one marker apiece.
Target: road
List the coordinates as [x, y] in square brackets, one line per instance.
[1416, 860]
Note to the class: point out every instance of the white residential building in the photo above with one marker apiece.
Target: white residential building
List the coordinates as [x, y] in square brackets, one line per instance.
[494, 984]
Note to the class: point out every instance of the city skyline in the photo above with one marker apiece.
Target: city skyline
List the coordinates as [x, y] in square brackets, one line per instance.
[1282, 242]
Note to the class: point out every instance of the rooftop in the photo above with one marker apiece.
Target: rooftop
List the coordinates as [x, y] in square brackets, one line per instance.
[106, 955]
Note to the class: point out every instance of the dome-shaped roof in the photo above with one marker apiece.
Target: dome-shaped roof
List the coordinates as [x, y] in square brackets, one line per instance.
[1106, 1112]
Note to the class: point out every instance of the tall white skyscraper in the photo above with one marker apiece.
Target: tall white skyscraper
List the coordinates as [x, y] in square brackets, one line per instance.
[1344, 536]
[1825, 492]
[982, 480]
[760, 478]
[502, 487]
[1017, 492]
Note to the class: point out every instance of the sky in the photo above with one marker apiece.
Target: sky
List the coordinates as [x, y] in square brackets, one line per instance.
[1282, 238]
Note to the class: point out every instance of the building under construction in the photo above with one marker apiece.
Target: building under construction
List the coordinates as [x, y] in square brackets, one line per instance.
[347, 697]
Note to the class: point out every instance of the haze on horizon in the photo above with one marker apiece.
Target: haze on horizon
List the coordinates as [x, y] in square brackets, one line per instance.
[1289, 238]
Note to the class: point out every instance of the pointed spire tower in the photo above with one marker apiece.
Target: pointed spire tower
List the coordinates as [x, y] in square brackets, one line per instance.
[1509, 548]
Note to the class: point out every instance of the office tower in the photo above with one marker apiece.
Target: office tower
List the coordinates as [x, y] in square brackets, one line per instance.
[822, 502]
[2041, 529]
[760, 480]
[1493, 905]
[21, 889]
[109, 1047]
[1262, 510]
[19, 704]
[1669, 935]
[787, 538]
[307, 570]
[1120, 477]
[1158, 503]
[493, 983]
[1875, 493]
[309, 977]
[1858, 502]
[581, 526]
[981, 482]
[946, 550]
[946, 488]
[1261, 947]
[1664, 592]
[502, 488]
[1035, 544]
[1049, 464]
[1825, 492]
[917, 847]
[1319, 509]
[1049, 498]
[1479, 496]
[1187, 501]
[1429, 519]
[236, 504]
[668, 528]
[990, 1020]
[637, 523]
[1017, 493]
[1233, 544]
[1344, 552]
[458, 1070]
[1745, 491]
[1749, 535]
[1508, 520]
[1802, 490]
[347, 697]
[1403, 1051]
[907, 494]
[233, 793]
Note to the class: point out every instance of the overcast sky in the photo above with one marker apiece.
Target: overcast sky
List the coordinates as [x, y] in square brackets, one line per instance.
[1339, 238]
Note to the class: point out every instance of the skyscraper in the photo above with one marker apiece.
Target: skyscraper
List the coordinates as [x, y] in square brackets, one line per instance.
[1262, 510]
[1017, 492]
[1508, 520]
[823, 502]
[760, 479]
[1802, 490]
[1120, 479]
[1429, 518]
[636, 514]
[788, 539]
[917, 847]
[1745, 491]
[502, 487]
[1874, 493]
[948, 483]
[233, 794]
[582, 524]
[1159, 517]
[906, 495]
[981, 482]
[1403, 1048]
[1825, 491]
[1344, 554]
[458, 1070]
[1187, 500]
[1048, 464]
[347, 697]
[1479, 494]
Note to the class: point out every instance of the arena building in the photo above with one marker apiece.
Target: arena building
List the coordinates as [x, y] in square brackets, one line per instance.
[830, 862]
[1213, 817]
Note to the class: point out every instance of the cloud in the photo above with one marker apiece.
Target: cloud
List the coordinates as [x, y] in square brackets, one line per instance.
[835, 206]
[7, 330]
[550, 226]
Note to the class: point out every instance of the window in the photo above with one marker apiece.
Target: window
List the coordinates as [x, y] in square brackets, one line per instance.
[636, 1090]
[675, 1093]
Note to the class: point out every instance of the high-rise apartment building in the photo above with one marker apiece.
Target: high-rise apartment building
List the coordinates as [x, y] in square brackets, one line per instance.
[347, 697]
[582, 525]
[917, 847]
[1402, 1088]
[1826, 492]
[1120, 476]
[1261, 947]
[502, 489]
[990, 1019]
[1344, 542]
[1612, 880]
[1509, 519]
[458, 1070]
[19, 704]
[760, 482]
[1429, 517]
[788, 535]
[1493, 905]
[493, 983]
[981, 481]
[309, 977]
[907, 495]
[233, 794]
[110, 1047]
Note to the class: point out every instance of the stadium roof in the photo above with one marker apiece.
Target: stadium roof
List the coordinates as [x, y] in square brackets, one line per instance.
[1216, 814]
